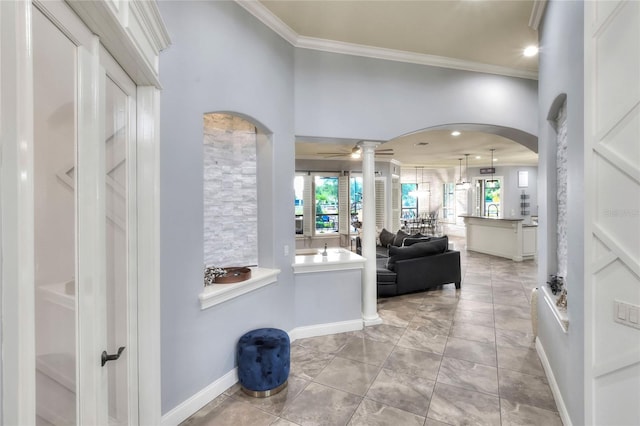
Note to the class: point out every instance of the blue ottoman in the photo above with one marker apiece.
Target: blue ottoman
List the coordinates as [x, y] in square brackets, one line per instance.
[263, 358]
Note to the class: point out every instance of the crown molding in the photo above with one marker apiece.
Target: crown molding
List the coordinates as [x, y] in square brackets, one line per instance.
[265, 16]
[537, 12]
[409, 57]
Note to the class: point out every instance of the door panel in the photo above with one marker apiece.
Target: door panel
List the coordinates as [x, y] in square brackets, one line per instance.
[86, 292]
[54, 222]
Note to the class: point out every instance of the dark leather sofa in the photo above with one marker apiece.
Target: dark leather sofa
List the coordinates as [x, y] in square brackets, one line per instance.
[422, 265]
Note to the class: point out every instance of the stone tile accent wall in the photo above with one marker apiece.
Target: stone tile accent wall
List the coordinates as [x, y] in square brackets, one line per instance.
[230, 193]
[561, 181]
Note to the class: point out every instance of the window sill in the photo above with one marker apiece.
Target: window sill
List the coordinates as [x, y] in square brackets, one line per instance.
[219, 293]
[560, 314]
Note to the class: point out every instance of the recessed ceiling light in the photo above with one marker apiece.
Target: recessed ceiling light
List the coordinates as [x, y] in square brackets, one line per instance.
[478, 157]
[495, 159]
[455, 133]
[530, 51]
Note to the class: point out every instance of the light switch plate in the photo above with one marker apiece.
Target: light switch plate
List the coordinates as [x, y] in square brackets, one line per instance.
[626, 314]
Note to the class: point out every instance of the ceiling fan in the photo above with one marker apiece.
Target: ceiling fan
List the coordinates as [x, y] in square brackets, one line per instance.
[355, 152]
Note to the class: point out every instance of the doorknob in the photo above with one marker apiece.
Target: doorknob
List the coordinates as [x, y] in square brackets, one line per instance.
[106, 357]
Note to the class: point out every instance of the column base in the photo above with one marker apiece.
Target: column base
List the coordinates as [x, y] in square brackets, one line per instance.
[371, 320]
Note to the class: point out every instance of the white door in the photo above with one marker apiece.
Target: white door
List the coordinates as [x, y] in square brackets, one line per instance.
[84, 226]
[612, 188]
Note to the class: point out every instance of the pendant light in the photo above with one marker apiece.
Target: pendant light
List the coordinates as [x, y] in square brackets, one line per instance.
[460, 182]
[419, 191]
[492, 183]
[465, 183]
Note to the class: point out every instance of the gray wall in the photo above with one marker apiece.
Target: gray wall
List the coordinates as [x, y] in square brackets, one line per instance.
[362, 98]
[221, 59]
[561, 71]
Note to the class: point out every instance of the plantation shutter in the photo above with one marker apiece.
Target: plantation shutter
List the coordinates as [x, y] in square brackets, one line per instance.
[307, 210]
[344, 219]
[380, 202]
[395, 204]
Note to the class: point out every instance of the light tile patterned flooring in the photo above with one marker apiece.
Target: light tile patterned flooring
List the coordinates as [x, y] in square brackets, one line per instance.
[441, 357]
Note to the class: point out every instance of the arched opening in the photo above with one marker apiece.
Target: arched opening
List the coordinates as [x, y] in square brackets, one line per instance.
[236, 191]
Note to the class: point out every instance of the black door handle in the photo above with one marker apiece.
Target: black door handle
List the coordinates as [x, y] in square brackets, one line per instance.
[106, 357]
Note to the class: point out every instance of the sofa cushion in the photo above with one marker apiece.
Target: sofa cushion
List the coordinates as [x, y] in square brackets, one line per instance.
[399, 238]
[422, 249]
[411, 240]
[386, 238]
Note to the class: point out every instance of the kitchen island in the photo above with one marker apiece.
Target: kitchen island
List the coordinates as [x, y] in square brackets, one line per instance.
[503, 237]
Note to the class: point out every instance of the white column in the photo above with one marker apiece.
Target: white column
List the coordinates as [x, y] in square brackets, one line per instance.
[369, 287]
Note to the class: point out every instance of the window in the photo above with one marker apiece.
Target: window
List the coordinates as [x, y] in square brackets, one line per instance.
[409, 202]
[326, 202]
[355, 197]
[449, 202]
[488, 197]
[298, 187]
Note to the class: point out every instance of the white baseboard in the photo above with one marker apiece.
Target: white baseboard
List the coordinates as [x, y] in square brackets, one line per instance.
[553, 384]
[190, 406]
[324, 329]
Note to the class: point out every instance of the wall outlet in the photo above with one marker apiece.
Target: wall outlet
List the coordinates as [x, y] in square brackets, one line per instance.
[626, 314]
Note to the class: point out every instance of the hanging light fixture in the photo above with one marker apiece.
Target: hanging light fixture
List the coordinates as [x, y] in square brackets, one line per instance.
[465, 183]
[492, 183]
[460, 182]
[420, 189]
[356, 151]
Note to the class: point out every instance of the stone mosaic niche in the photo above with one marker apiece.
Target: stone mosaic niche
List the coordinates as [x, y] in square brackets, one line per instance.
[561, 185]
[230, 192]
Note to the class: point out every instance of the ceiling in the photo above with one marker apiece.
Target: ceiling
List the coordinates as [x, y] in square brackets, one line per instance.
[481, 35]
[441, 150]
[483, 31]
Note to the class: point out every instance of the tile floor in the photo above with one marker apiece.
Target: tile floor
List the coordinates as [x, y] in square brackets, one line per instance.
[442, 357]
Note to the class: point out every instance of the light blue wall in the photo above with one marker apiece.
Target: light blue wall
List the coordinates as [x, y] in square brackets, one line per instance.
[362, 98]
[221, 59]
[561, 71]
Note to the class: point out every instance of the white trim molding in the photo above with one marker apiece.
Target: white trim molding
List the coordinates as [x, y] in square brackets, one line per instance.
[553, 384]
[537, 12]
[17, 214]
[325, 329]
[191, 405]
[264, 15]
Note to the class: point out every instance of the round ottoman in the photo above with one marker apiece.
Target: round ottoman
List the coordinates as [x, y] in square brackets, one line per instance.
[263, 358]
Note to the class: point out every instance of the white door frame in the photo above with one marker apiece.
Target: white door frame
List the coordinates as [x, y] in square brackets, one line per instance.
[111, 21]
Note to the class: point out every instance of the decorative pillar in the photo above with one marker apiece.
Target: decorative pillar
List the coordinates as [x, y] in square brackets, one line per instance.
[369, 287]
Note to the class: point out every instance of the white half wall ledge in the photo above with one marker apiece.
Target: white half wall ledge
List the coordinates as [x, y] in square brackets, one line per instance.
[219, 293]
[559, 314]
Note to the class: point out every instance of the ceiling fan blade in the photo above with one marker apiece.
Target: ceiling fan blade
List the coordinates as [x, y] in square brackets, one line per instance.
[385, 150]
[384, 153]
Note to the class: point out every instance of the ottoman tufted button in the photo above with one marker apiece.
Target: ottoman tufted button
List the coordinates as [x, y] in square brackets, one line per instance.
[263, 357]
